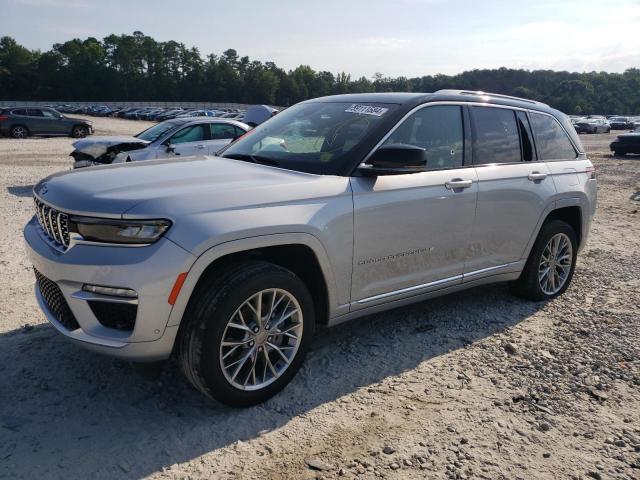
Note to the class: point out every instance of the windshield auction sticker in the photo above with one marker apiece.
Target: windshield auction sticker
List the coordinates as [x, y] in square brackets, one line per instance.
[366, 110]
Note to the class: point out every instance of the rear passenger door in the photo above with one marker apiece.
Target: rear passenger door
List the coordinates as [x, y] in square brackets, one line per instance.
[513, 189]
[221, 135]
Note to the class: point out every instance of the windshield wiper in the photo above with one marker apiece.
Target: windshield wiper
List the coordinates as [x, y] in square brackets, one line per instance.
[245, 157]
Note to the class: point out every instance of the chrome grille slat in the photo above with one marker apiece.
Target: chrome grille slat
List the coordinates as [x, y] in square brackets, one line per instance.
[53, 223]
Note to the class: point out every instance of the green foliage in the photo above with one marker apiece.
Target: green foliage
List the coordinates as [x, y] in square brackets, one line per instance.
[137, 67]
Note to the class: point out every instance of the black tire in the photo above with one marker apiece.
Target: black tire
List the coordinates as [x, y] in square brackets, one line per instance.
[212, 305]
[79, 131]
[19, 131]
[528, 285]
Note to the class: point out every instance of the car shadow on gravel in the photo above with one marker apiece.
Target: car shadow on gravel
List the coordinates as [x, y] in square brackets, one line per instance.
[21, 190]
[69, 413]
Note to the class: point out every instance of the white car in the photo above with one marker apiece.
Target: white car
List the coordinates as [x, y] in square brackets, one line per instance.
[176, 137]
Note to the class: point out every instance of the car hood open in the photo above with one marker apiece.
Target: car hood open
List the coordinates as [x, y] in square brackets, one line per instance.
[96, 147]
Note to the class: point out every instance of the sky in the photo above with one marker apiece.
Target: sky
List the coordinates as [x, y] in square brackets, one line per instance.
[361, 37]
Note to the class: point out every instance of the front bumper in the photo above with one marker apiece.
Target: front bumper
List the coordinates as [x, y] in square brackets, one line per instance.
[150, 270]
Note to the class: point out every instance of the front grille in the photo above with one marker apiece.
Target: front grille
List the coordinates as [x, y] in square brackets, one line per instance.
[55, 301]
[121, 316]
[54, 223]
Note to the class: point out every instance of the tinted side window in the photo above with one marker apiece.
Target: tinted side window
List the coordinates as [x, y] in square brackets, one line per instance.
[221, 131]
[438, 129]
[496, 138]
[189, 134]
[526, 137]
[551, 139]
[19, 111]
[34, 112]
[48, 114]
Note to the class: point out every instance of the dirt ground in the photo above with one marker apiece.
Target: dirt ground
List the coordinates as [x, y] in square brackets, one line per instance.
[477, 384]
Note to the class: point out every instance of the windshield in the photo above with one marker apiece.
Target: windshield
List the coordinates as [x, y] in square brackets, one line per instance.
[311, 137]
[155, 132]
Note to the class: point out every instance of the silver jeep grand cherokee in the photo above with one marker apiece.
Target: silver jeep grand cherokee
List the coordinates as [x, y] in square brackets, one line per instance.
[336, 208]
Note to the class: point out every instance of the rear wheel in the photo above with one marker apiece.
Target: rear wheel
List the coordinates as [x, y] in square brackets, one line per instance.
[19, 131]
[79, 131]
[551, 263]
[246, 333]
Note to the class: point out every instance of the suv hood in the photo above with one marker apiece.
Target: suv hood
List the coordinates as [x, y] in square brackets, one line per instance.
[171, 188]
[96, 147]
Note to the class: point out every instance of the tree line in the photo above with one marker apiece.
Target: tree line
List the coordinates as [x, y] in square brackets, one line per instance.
[138, 68]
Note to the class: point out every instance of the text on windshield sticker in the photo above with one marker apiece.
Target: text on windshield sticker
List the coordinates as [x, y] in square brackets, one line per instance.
[366, 110]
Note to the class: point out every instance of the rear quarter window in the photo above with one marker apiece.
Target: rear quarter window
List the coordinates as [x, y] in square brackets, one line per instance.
[552, 141]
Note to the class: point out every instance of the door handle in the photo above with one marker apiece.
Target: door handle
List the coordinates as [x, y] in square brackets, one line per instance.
[457, 183]
[537, 176]
[200, 146]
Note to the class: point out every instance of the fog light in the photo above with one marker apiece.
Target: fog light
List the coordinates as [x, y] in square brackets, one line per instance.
[114, 292]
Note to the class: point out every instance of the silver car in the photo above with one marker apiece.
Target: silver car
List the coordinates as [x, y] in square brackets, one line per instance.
[336, 208]
[183, 137]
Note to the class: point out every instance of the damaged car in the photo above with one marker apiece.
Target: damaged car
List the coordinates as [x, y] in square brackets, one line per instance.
[177, 137]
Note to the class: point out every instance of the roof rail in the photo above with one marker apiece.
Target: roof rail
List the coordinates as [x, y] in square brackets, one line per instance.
[487, 94]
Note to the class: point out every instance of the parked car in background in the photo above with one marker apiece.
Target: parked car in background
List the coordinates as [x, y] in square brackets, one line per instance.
[626, 143]
[592, 125]
[258, 114]
[620, 123]
[337, 208]
[179, 137]
[21, 122]
[199, 113]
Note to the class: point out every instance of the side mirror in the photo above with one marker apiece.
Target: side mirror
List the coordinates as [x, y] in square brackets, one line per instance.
[395, 159]
[170, 148]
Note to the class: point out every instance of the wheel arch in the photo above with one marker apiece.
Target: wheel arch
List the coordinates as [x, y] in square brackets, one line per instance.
[18, 124]
[568, 209]
[75, 125]
[301, 253]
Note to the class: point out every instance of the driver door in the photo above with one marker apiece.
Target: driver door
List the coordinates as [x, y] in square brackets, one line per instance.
[411, 231]
[187, 141]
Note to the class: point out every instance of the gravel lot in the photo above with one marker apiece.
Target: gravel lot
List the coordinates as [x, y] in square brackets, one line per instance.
[473, 385]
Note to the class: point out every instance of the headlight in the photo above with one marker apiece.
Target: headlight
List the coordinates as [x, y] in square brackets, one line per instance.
[119, 231]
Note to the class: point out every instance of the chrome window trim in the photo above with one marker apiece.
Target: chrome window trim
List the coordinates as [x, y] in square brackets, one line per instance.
[462, 104]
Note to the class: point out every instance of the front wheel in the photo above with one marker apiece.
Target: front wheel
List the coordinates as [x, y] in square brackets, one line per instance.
[551, 263]
[79, 131]
[246, 333]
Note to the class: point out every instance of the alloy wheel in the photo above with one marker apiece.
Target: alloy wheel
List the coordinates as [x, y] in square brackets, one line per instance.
[19, 132]
[555, 264]
[261, 339]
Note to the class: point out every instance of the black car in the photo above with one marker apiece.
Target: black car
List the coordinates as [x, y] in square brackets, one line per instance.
[20, 122]
[621, 123]
[626, 143]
